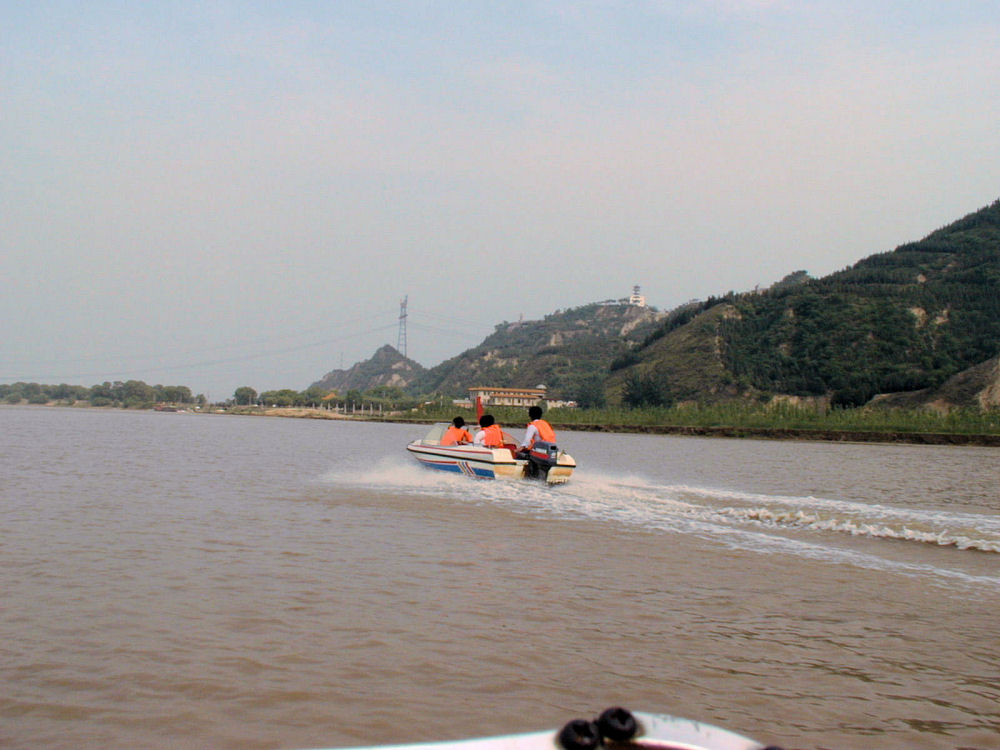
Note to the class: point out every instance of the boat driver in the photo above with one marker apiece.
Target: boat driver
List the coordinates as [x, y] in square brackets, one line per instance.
[456, 434]
[490, 434]
[538, 429]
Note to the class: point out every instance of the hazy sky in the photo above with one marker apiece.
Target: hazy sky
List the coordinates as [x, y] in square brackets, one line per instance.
[217, 194]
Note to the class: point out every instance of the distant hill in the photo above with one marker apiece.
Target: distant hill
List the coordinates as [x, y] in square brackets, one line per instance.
[568, 351]
[684, 363]
[905, 320]
[922, 320]
[386, 367]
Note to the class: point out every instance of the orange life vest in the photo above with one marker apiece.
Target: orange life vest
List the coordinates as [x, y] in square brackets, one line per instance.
[493, 437]
[456, 435]
[545, 431]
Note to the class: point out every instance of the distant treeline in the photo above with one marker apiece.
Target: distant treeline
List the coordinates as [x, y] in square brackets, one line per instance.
[135, 394]
[131, 394]
[384, 396]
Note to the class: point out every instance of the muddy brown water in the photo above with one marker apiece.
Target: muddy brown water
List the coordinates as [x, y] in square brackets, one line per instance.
[175, 581]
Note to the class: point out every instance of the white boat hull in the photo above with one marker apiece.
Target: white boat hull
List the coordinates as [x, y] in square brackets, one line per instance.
[484, 463]
[656, 732]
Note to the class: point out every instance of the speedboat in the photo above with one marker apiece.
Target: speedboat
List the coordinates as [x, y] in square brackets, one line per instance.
[544, 461]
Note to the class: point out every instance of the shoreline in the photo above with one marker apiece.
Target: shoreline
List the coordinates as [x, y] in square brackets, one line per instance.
[718, 431]
[758, 433]
[806, 434]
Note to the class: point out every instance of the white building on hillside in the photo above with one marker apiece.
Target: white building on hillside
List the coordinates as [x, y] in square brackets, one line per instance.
[507, 396]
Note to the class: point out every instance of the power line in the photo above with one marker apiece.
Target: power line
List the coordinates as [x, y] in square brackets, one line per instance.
[254, 342]
[133, 369]
[448, 331]
[205, 363]
[462, 321]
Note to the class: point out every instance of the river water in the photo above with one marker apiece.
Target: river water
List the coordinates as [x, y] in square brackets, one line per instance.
[179, 581]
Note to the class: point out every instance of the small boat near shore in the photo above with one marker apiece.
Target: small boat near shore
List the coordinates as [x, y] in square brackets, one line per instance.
[545, 461]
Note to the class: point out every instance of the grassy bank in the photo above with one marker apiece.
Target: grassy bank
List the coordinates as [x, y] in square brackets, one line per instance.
[791, 417]
[961, 426]
[790, 422]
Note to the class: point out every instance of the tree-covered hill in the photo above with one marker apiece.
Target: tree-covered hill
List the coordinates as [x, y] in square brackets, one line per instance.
[897, 321]
[569, 351]
[682, 361]
[900, 321]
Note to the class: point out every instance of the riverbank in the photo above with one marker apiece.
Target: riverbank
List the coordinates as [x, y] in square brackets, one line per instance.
[724, 431]
[777, 433]
[821, 434]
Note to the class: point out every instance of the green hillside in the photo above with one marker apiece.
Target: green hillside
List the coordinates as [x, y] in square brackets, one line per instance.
[904, 321]
[568, 351]
[898, 321]
[681, 361]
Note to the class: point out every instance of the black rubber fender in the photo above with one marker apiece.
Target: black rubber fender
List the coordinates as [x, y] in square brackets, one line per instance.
[617, 724]
[579, 734]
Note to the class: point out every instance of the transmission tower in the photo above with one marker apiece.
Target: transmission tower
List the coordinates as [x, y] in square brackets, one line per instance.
[401, 337]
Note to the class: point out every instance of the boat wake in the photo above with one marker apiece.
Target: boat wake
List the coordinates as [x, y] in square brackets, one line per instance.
[400, 475]
[822, 516]
[693, 509]
[814, 527]
[948, 537]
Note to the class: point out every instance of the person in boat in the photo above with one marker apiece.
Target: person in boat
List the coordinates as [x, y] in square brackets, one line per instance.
[456, 434]
[538, 429]
[490, 434]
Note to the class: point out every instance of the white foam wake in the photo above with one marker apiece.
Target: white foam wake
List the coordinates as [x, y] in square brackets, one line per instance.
[805, 526]
[804, 520]
[632, 499]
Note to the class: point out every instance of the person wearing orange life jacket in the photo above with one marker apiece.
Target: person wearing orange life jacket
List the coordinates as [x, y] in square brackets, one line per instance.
[456, 434]
[490, 434]
[538, 429]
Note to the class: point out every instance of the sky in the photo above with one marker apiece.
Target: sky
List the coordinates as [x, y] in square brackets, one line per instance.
[226, 194]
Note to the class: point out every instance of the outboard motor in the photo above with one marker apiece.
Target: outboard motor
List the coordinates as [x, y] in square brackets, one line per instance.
[541, 457]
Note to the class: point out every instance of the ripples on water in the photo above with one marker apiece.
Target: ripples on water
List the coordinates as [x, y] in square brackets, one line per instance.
[182, 581]
[814, 527]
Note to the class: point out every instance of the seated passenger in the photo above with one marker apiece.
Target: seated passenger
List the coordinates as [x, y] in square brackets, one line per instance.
[538, 429]
[456, 434]
[490, 435]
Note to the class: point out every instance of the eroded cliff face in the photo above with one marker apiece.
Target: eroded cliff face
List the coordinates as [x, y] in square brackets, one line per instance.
[989, 396]
[976, 387]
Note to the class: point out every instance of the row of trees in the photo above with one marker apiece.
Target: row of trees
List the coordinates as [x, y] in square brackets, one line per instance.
[130, 394]
[384, 396]
[136, 394]
[247, 396]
